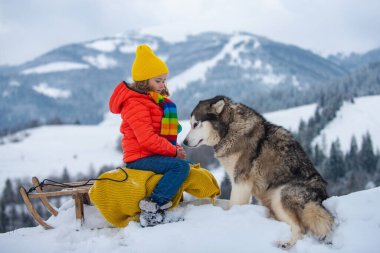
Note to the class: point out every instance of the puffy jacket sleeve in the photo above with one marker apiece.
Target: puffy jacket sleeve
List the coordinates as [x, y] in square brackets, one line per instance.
[137, 115]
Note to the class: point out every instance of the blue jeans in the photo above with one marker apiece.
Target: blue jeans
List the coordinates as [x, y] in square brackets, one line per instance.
[174, 172]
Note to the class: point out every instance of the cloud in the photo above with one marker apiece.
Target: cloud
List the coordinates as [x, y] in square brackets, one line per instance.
[30, 28]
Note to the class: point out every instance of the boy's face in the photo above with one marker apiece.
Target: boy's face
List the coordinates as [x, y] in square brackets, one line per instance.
[157, 83]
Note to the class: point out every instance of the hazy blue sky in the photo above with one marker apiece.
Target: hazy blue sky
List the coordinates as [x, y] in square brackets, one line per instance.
[29, 28]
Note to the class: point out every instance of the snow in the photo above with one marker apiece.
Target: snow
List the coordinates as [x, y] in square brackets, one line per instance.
[199, 70]
[240, 47]
[101, 61]
[14, 83]
[129, 47]
[46, 150]
[258, 64]
[124, 42]
[205, 228]
[291, 118]
[46, 90]
[295, 82]
[352, 119]
[270, 78]
[55, 67]
[256, 44]
[105, 45]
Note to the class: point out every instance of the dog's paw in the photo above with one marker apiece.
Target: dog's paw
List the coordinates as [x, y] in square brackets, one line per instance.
[284, 245]
[327, 240]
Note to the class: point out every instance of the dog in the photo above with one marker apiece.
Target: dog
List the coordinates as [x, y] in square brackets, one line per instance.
[265, 161]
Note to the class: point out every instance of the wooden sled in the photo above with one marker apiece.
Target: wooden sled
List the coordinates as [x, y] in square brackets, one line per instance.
[79, 194]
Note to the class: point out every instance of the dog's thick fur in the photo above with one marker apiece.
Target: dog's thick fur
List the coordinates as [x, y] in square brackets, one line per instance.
[263, 160]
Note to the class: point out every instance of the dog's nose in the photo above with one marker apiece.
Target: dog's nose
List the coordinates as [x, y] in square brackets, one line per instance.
[185, 142]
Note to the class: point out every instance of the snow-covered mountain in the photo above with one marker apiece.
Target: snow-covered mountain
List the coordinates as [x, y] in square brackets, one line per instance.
[74, 82]
[354, 60]
[206, 228]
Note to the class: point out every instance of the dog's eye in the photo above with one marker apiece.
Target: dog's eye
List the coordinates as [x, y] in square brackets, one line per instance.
[196, 124]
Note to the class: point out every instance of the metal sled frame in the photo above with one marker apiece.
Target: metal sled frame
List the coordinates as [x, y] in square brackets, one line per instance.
[79, 194]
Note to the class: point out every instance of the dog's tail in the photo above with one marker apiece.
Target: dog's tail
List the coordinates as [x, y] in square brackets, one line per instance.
[317, 219]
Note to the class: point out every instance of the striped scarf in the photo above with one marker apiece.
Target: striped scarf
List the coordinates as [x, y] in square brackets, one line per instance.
[170, 127]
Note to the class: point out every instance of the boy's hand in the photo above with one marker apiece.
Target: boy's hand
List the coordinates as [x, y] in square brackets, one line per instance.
[181, 154]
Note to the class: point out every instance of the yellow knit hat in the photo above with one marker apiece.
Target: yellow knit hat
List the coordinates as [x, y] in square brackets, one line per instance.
[147, 64]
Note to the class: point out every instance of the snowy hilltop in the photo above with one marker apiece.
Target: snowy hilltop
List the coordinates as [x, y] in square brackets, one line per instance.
[205, 229]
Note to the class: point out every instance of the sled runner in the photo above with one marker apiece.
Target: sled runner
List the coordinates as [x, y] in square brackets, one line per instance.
[78, 191]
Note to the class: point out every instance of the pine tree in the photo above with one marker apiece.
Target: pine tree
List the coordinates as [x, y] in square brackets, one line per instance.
[367, 157]
[352, 157]
[335, 164]
[9, 195]
[318, 156]
[4, 219]
[26, 220]
[65, 175]
[304, 137]
[91, 171]
[377, 173]
[13, 218]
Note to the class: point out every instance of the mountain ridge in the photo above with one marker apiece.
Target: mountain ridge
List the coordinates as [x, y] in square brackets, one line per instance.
[262, 73]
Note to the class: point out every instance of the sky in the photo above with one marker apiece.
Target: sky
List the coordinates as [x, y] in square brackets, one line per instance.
[29, 28]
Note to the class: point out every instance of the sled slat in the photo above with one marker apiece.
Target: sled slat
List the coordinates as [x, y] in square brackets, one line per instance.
[33, 211]
[53, 187]
[78, 190]
[44, 199]
[59, 193]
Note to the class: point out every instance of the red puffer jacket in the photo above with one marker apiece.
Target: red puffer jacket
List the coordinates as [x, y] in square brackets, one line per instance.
[141, 124]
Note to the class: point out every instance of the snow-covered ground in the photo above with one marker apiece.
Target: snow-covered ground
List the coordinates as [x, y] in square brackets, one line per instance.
[357, 119]
[205, 229]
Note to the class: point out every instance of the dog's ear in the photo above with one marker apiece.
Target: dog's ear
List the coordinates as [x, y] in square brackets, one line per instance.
[218, 106]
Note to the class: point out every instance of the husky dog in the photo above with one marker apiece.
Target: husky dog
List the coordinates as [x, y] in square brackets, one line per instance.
[263, 160]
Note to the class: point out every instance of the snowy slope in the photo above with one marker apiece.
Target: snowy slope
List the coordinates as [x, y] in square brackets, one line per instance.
[357, 119]
[291, 118]
[205, 229]
[46, 150]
